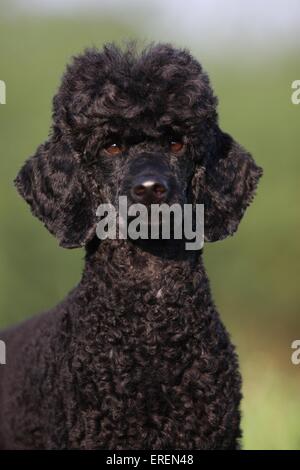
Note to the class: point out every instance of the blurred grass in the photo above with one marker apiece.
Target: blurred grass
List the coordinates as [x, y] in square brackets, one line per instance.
[254, 276]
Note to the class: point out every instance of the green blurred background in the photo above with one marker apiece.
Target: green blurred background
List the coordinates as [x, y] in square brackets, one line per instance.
[255, 274]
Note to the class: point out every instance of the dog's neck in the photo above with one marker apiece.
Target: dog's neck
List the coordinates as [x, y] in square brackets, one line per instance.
[137, 302]
[159, 268]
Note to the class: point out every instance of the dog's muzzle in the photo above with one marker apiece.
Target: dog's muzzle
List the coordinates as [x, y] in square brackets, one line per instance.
[150, 180]
[149, 189]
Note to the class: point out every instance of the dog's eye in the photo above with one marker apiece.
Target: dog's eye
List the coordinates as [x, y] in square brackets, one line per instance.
[114, 149]
[176, 146]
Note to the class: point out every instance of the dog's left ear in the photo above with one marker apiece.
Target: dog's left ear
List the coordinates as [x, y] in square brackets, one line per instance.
[225, 183]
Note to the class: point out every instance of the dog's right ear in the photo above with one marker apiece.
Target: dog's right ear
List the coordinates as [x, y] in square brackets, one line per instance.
[56, 188]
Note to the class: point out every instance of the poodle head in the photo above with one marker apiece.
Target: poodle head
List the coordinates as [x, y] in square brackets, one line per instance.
[142, 125]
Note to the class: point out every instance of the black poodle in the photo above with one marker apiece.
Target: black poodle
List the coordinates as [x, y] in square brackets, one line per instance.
[136, 356]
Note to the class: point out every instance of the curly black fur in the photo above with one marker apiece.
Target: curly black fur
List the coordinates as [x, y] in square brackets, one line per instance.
[136, 356]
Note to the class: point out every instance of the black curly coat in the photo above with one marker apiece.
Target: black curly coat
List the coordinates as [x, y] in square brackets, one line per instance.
[136, 356]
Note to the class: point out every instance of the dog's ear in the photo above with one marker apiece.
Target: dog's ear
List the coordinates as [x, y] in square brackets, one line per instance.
[225, 183]
[55, 187]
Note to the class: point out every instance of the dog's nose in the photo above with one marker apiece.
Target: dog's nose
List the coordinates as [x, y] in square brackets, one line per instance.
[150, 190]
